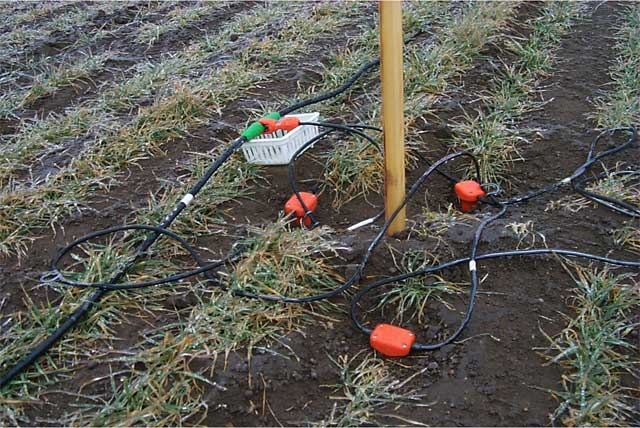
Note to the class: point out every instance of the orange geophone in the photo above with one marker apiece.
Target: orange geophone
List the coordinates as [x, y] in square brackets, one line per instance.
[391, 341]
[468, 192]
[293, 205]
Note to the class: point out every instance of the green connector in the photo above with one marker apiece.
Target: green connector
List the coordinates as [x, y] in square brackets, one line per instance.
[256, 128]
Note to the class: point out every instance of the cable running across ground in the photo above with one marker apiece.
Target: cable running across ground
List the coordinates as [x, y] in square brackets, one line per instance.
[577, 180]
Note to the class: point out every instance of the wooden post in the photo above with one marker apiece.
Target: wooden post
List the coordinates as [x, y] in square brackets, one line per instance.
[391, 69]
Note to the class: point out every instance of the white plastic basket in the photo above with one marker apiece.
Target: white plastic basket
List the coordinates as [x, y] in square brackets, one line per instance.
[279, 147]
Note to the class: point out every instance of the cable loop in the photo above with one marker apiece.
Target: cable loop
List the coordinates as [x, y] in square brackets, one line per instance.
[497, 189]
[490, 199]
[50, 276]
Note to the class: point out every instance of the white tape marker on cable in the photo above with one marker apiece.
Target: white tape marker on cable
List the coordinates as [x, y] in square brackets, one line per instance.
[187, 199]
[362, 223]
[472, 265]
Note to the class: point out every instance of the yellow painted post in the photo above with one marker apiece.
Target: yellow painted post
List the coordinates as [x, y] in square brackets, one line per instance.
[391, 67]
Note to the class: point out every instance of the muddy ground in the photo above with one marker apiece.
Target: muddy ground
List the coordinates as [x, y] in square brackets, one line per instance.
[496, 376]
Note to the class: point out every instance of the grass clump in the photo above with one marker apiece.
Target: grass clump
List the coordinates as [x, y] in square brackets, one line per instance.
[19, 59]
[435, 224]
[596, 351]
[367, 385]
[15, 18]
[620, 106]
[167, 389]
[409, 300]
[434, 68]
[492, 140]
[165, 392]
[40, 135]
[353, 168]
[526, 234]
[177, 19]
[65, 75]
[628, 237]
[286, 262]
[61, 194]
[62, 76]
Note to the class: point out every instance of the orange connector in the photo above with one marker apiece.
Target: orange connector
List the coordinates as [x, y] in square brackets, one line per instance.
[284, 124]
[293, 205]
[468, 192]
[391, 341]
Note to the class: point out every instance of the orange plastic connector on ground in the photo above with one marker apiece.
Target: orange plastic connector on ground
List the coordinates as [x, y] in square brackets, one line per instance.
[468, 192]
[293, 205]
[391, 341]
[284, 124]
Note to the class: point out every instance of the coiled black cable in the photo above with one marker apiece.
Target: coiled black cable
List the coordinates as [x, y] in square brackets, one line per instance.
[55, 275]
[618, 206]
[157, 231]
[611, 203]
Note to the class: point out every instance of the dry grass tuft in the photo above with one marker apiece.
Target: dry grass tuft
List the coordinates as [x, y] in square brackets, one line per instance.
[596, 351]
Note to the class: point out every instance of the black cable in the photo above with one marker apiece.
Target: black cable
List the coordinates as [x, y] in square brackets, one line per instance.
[354, 129]
[331, 94]
[618, 206]
[420, 155]
[205, 268]
[445, 174]
[611, 203]
[348, 129]
[292, 179]
[43, 346]
[582, 169]
[488, 256]
[73, 319]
